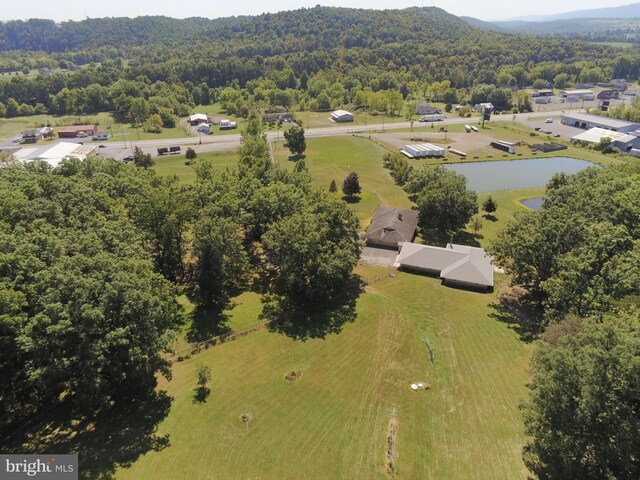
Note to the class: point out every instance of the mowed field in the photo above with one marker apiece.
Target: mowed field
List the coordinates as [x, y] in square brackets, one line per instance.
[333, 158]
[332, 423]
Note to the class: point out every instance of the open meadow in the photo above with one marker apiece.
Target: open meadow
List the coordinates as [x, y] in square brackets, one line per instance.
[337, 419]
[333, 421]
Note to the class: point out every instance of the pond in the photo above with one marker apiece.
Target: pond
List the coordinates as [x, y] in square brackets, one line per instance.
[516, 174]
[533, 203]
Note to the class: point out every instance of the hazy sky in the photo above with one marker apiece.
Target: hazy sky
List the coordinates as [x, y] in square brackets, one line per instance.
[75, 10]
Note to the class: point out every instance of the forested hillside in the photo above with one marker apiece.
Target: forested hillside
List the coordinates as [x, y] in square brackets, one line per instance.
[317, 58]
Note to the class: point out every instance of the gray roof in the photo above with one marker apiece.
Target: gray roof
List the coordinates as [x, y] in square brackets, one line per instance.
[457, 263]
[600, 120]
[390, 226]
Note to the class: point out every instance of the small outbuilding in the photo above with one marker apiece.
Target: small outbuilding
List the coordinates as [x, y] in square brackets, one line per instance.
[342, 116]
[390, 227]
[423, 150]
[198, 118]
[459, 265]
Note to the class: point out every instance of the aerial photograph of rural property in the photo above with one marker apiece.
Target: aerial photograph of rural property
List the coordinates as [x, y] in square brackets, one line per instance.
[360, 240]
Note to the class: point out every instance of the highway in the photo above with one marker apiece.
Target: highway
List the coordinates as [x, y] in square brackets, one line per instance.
[217, 143]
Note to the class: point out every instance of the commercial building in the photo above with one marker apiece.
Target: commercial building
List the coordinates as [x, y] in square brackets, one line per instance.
[52, 154]
[341, 116]
[623, 141]
[588, 121]
[581, 94]
[78, 131]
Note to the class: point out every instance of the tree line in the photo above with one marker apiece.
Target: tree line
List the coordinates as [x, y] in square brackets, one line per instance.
[94, 254]
[317, 58]
[576, 264]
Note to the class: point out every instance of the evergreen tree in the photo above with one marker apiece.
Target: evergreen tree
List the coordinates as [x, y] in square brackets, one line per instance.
[351, 185]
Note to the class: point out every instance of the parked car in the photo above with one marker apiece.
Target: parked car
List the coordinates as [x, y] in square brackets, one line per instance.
[128, 158]
[549, 120]
[102, 146]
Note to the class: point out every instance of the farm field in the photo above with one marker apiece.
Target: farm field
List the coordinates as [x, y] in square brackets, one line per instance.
[333, 421]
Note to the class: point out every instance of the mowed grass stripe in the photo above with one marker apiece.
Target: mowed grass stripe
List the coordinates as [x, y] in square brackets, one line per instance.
[332, 423]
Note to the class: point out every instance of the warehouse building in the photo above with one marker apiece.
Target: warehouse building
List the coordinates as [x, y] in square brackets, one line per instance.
[588, 121]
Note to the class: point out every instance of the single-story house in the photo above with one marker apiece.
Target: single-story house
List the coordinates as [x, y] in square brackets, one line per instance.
[484, 107]
[340, 116]
[455, 264]
[621, 140]
[76, 131]
[197, 119]
[285, 117]
[32, 136]
[588, 120]
[619, 84]
[423, 108]
[390, 227]
[544, 92]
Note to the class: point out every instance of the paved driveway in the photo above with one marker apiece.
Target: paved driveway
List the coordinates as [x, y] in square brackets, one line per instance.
[378, 256]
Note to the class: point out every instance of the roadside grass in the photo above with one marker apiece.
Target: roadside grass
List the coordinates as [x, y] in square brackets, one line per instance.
[176, 164]
[332, 422]
[120, 132]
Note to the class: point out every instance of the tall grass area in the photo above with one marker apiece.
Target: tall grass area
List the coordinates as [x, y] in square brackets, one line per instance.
[333, 421]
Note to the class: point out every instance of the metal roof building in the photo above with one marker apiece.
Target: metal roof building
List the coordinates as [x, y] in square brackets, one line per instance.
[55, 153]
[621, 140]
[588, 121]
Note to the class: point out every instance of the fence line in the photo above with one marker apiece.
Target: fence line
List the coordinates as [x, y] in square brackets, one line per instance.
[217, 340]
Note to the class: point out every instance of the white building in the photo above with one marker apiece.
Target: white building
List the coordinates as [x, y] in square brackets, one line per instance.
[581, 94]
[621, 140]
[54, 154]
[341, 116]
[422, 150]
[588, 121]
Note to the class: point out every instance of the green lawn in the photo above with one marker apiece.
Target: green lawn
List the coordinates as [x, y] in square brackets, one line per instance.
[175, 164]
[10, 127]
[332, 422]
[332, 158]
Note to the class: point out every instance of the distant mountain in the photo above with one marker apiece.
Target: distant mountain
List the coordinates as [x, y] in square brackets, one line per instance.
[589, 29]
[485, 25]
[625, 11]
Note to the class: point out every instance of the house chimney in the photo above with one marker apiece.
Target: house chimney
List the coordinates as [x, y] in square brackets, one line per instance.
[400, 216]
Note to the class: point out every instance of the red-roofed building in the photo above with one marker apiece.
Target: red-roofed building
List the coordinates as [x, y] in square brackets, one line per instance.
[78, 131]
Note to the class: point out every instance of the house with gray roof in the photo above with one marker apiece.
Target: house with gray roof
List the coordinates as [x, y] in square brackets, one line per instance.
[456, 264]
[391, 226]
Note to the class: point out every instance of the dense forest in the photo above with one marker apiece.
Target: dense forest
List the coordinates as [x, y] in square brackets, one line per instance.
[94, 252]
[317, 58]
